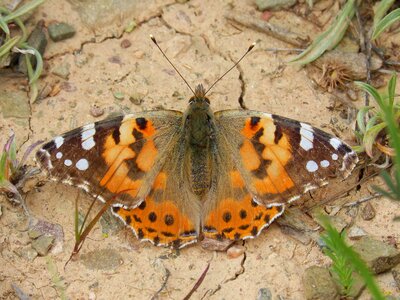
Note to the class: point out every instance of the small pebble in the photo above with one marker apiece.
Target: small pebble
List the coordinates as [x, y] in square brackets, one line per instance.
[264, 294]
[368, 212]
[355, 233]
[43, 244]
[61, 71]
[96, 111]
[131, 26]
[138, 54]
[125, 44]
[27, 253]
[235, 251]
[60, 31]
[136, 98]
[119, 96]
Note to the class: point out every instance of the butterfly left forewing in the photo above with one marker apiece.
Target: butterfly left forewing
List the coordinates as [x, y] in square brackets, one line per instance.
[118, 157]
[279, 158]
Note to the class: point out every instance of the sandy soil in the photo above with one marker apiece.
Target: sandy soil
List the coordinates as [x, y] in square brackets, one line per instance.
[202, 44]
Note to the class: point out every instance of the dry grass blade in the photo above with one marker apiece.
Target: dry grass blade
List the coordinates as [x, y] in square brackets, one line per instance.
[198, 283]
[330, 38]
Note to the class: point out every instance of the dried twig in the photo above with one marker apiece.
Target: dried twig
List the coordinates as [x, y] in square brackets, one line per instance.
[198, 283]
[275, 31]
[362, 200]
[365, 44]
[167, 275]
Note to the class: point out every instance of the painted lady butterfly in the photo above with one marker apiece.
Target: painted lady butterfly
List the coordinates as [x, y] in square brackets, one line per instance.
[178, 176]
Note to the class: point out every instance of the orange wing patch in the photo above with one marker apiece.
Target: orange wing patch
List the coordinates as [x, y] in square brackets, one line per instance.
[265, 152]
[162, 223]
[129, 153]
[235, 220]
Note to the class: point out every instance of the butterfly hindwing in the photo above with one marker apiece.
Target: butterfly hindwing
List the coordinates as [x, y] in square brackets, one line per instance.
[278, 158]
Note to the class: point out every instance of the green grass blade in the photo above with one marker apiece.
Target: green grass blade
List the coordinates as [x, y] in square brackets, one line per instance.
[4, 27]
[23, 10]
[353, 259]
[386, 22]
[361, 118]
[372, 91]
[381, 10]
[7, 46]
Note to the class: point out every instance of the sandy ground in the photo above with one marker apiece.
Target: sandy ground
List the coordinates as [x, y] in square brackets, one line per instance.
[202, 44]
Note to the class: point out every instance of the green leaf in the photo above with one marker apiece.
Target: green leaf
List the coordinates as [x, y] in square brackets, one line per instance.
[352, 258]
[386, 22]
[370, 137]
[330, 38]
[23, 10]
[4, 27]
[361, 118]
[7, 46]
[381, 10]
[372, 91]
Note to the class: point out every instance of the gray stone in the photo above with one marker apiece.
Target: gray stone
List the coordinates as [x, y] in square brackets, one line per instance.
[318, 284]
[14, 104]
[60, 31]
[396, 275]
[38, 40]
[34, 233]
[43, 244]
[27, 253]
[61, 71]
[378, 255]
[264, 294]
[274, 4]
[355, 233]
[368, 212]
[104, 259]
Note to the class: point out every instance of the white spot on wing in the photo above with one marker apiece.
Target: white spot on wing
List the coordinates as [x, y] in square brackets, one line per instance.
[324, 163]
[335, 156]
[88, 131]
[59, 141]
[59, 155]
[88, 144]
[82, 164]
[68, 162]
[311, 166]
[307, 137]
[335, 142]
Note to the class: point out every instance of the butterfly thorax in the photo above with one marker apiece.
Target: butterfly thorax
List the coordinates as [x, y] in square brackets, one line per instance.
[198, 126]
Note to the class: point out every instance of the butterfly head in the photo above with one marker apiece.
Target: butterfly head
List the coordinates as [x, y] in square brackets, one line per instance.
[199, 95]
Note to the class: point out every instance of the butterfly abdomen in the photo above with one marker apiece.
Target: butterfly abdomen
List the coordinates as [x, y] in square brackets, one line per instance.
[200, 179]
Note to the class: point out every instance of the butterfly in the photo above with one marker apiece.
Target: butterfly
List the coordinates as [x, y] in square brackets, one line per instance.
[178, 177]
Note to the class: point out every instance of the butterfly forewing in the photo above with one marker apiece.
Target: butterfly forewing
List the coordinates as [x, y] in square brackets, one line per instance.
[116, 157]
[279, 158]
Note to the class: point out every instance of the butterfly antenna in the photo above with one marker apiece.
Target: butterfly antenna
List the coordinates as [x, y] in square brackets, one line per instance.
[236, 63]
[159, 48]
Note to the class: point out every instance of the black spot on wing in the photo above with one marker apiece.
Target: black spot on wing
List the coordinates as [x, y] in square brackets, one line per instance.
[141, 123]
